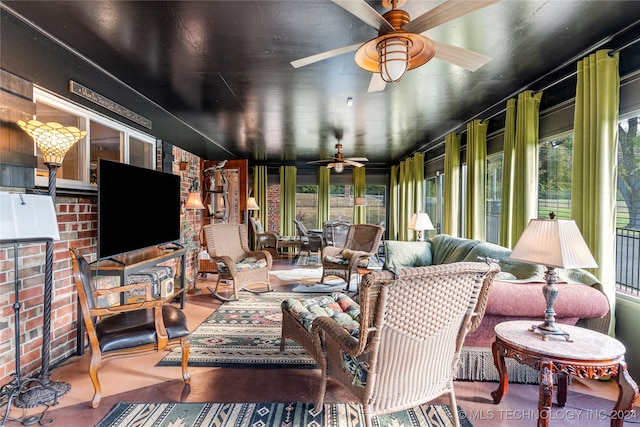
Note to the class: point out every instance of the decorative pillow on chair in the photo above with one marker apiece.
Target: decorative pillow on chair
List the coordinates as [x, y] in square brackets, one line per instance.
[399, 254]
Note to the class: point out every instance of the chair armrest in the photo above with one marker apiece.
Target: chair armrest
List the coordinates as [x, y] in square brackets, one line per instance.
[262, 254]
[327, 327]
[107, 311]
[227, 261]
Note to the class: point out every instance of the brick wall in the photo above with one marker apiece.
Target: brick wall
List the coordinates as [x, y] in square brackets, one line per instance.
[78, 223]
[273, 207]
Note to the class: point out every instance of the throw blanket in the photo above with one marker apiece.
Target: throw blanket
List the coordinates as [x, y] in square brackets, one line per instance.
[448, 249]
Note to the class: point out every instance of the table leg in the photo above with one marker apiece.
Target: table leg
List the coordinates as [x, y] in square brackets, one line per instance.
[546, 393]
[498, 361]
[627, 395]
[563, 381]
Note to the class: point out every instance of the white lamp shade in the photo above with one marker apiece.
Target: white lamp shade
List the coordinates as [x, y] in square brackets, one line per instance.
[252, 205]
[194, 201]
[423, 222]
[553, 243]
[338, 167]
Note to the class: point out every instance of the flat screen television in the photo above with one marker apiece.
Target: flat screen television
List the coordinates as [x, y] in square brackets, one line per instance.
[137, 208]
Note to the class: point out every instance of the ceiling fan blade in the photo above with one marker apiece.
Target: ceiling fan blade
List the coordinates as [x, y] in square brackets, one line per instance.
[357, 159]
[445, 12]
[324, 55]
[352, 163]
[321, 161]
[464, 58]
[376, 84]
[361, 10]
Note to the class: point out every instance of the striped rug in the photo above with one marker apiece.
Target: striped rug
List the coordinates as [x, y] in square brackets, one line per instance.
[270, 415]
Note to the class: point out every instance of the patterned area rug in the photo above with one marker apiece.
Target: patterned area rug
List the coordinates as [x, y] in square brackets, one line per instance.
[270, 415]
[244, 333]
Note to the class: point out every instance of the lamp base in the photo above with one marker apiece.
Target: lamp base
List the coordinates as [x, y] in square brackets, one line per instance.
[44, 393]
[547, 329]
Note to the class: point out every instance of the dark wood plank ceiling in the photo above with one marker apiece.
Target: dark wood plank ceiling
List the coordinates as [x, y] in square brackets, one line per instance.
[215, 76]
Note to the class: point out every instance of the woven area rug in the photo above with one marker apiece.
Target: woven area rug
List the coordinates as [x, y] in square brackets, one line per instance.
[308, 260]
[244, 334]
[269, 415]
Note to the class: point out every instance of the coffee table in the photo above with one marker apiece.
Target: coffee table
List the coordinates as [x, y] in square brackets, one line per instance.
[590, 355]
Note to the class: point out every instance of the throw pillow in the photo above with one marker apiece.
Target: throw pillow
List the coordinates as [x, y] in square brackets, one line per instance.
[398, 254]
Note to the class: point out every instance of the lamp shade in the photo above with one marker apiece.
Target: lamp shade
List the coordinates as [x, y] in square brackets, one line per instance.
[361, 201]
[553, 243]
[252, 205]
[338, 167]
[194, 201]
[423, 222]
[394, 58]
[53, 139]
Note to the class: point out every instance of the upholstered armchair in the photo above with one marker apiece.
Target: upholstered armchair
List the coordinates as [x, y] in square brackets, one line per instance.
[228, 247]
[265, 239]
[127, 329]
[399, 346]
[310, 242]
[362, 243]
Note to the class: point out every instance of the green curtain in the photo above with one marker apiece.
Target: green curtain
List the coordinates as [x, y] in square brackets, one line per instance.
[595, 163]
[394, 204]
[506, 237]
[260, 189]
[410, 194]
[359, 190]
[475, 199]
[324, 181]
[288, 200]
[451, 198]
[525, 192]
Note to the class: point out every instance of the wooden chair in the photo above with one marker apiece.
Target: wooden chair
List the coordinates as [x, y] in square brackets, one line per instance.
[228, 247]
[412, 327]
[361, 243]
[128, 329]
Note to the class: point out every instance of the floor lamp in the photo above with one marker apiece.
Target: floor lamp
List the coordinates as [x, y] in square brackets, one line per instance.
[24, 218]
[194, 202]
[53, 140]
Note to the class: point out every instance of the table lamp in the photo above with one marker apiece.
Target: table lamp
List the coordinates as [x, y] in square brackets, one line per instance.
[420, 222]
[553, 243]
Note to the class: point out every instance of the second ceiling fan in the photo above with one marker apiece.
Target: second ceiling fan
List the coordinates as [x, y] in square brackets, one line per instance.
[400, 46]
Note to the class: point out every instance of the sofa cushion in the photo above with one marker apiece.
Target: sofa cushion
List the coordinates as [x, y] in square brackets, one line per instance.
[338, 306]
[399, 254]
[448, 249]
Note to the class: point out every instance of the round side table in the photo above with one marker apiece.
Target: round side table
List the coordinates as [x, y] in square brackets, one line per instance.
[590, 355]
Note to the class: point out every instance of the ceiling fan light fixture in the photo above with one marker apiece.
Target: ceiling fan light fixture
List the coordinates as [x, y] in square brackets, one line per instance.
[338, 167]
[393, 57]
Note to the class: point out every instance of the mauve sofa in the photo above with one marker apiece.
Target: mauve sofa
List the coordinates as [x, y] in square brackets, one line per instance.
[516, 294]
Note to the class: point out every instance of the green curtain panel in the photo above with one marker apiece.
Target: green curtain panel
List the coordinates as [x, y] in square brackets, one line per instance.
[410, 194]
[394, 204]
[506, 237]
[359, 190]
[324, 181]
[451, 198]
[595, 162]
[525, 193]
[475, 197]
[260, 189]
[288, 180]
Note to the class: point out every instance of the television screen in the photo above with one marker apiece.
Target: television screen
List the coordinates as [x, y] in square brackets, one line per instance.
[137, 208]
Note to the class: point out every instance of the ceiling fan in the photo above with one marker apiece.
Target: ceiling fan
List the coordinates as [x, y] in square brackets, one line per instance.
[400, 46]
[338, 161]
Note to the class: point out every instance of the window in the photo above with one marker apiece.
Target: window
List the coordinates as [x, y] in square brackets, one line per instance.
[494, 195]
[433, 200]
[307, 205]
[341, 202]
[105, 139]
[554, 178]
[628, 205]
[376, 204]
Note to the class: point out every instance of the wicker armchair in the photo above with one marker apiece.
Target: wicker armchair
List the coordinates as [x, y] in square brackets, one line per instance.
[265, 239]
[362, 242]
[412, 328]
[228, 248]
